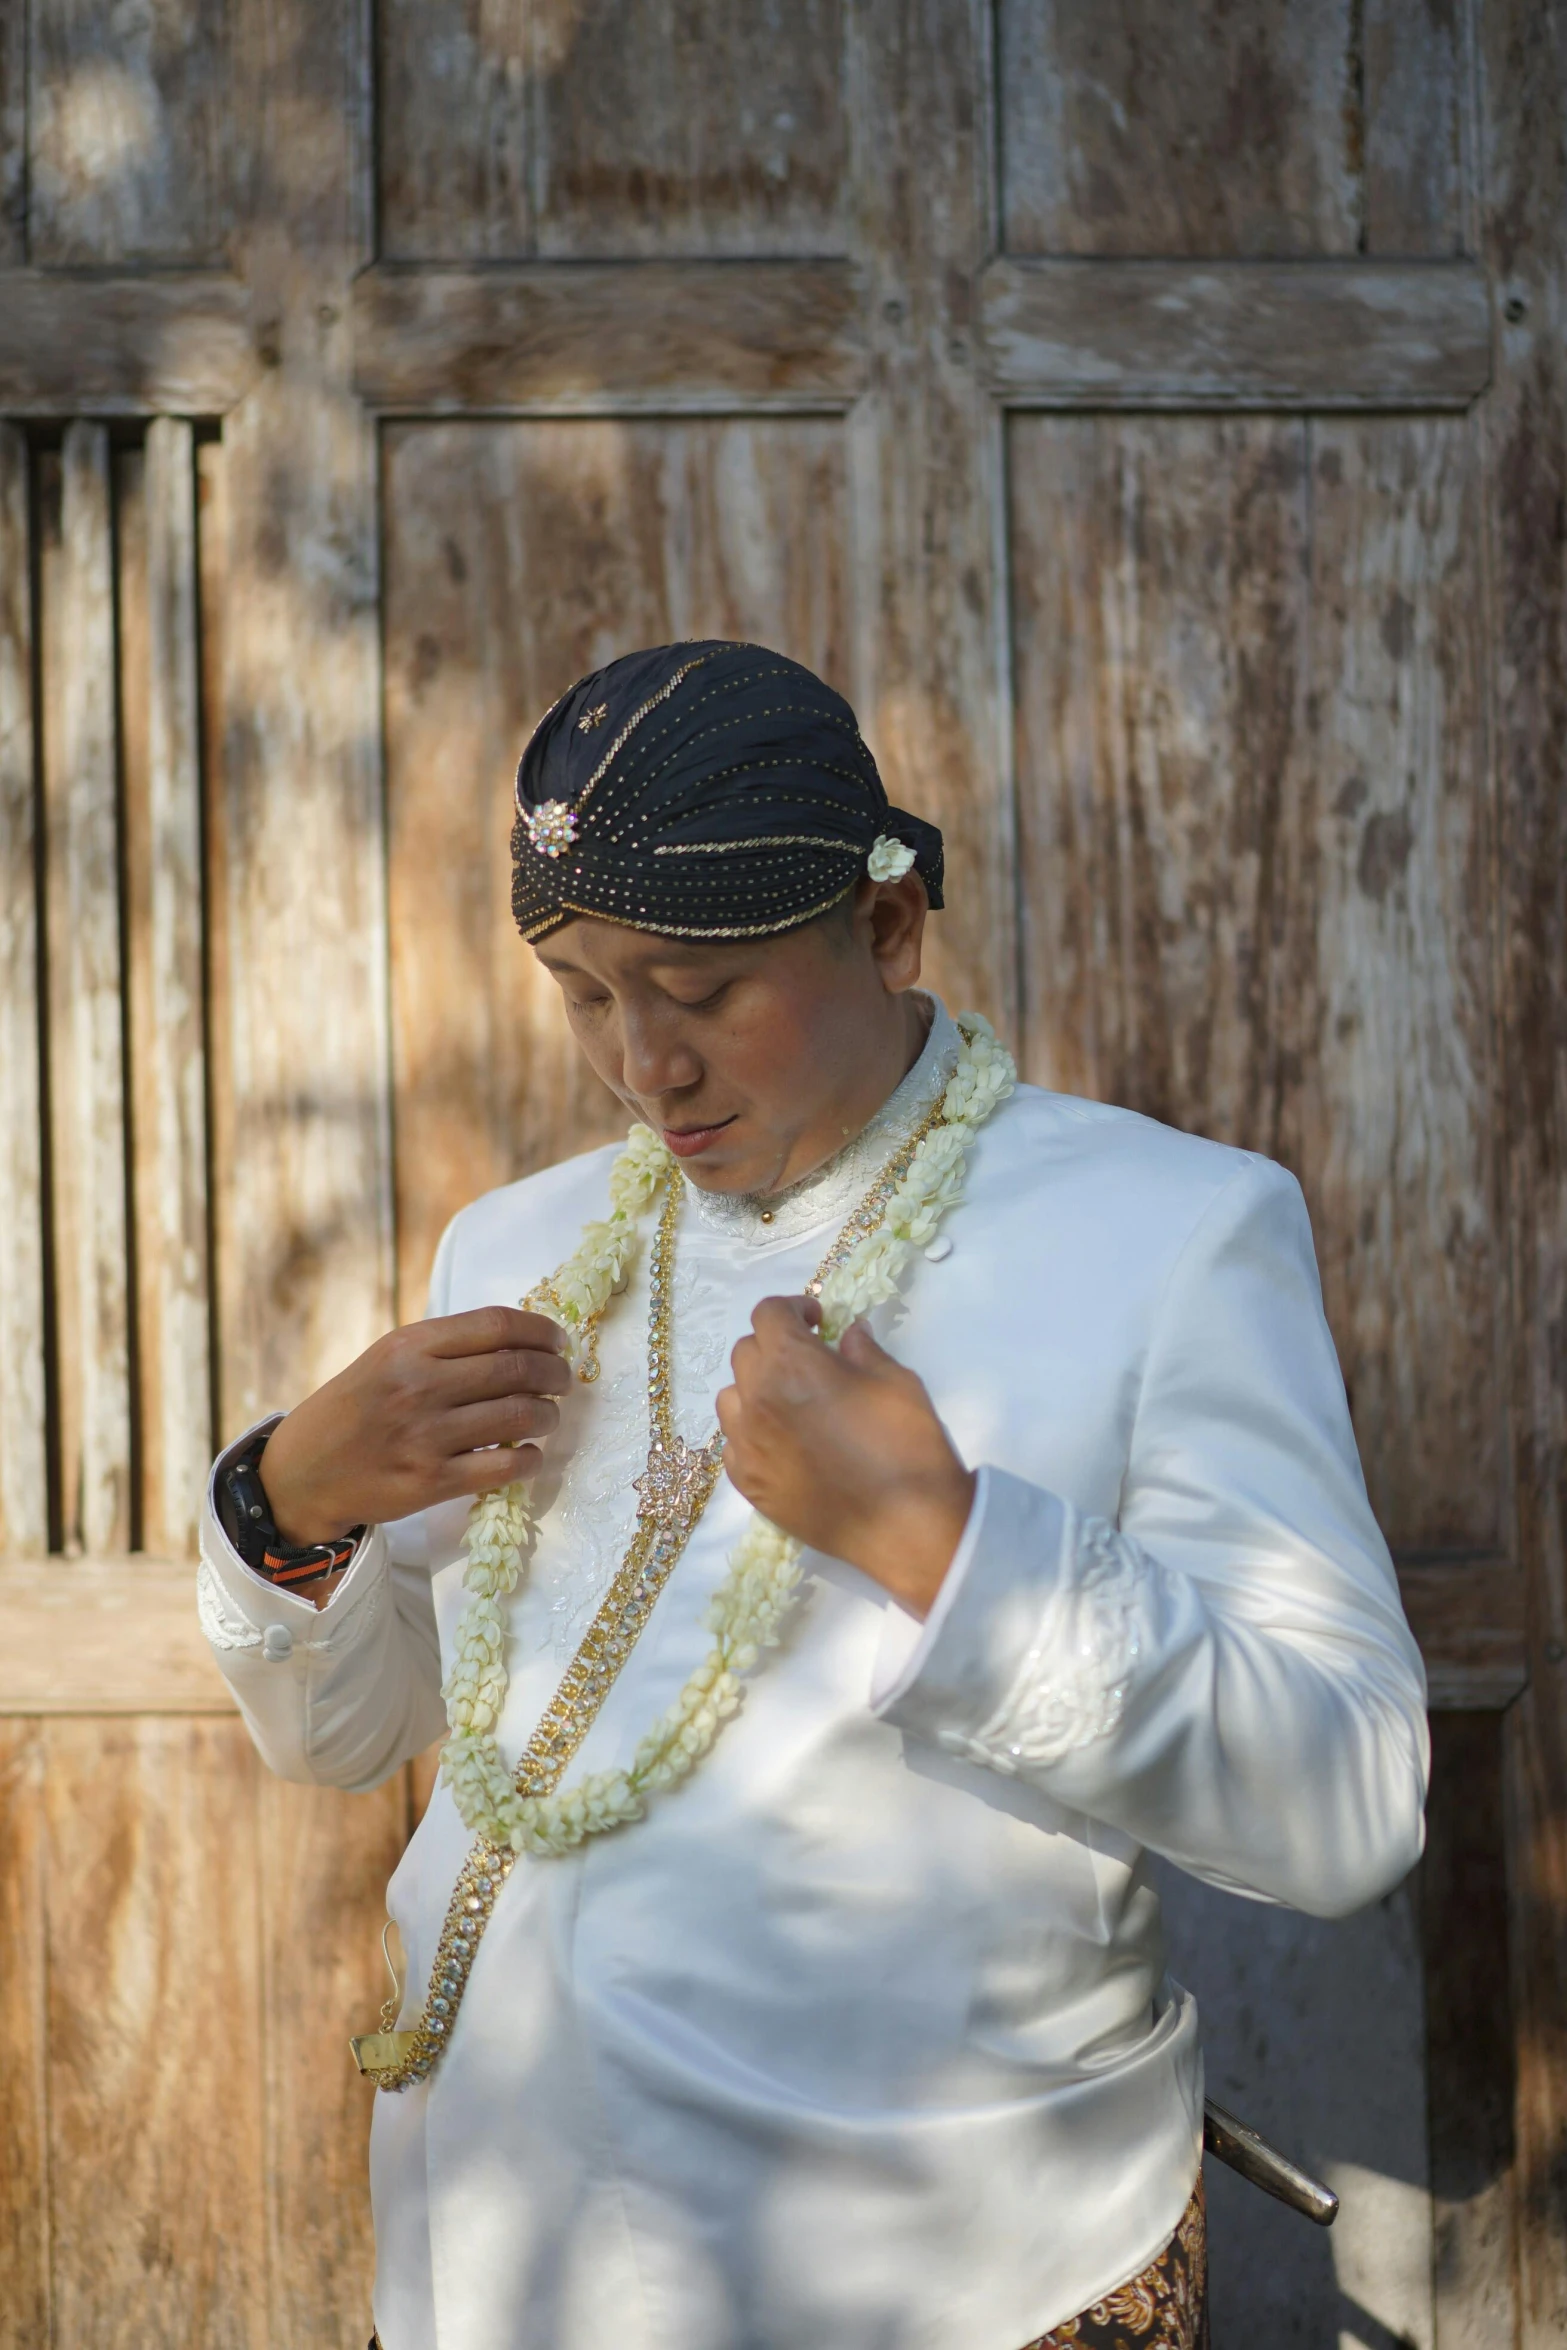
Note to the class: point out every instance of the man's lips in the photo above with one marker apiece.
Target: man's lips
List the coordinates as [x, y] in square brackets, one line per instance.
[686, 1141]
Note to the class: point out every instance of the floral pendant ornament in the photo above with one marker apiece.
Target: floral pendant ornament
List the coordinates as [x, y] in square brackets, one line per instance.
[522, 1808]
[552, 827]
[889, 859]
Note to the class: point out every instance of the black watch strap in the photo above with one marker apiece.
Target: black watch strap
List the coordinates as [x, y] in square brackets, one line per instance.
[249, 1525]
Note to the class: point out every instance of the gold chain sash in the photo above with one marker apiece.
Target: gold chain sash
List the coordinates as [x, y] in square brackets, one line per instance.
[673, 1491]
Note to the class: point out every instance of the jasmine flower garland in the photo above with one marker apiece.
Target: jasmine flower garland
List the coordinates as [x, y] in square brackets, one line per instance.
[748, 1611]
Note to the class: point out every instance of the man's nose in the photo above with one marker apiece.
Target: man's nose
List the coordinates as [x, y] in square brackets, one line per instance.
[657, 1060]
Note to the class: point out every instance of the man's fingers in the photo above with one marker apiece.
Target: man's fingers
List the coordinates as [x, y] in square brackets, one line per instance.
[510, 1370]
[481, 1472]
[858, 1348]
[503, 1420]
[783, 1320]
[489, 1329]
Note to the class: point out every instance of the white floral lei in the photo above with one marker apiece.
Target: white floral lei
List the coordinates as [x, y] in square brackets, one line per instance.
[747, 1611]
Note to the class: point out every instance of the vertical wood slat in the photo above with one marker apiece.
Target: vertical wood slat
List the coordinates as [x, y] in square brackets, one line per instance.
[212, 590]
[169, 1046]
[161, 765]
[24, 2129]
[13, 137]
[925, 458]
[1469, 2055]
[1523, 175]
[154, 2005]
[86, 1038]
[301, 1136]
[24, 1498]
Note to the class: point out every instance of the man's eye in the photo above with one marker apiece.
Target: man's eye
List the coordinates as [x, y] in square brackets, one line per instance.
[589, 1003]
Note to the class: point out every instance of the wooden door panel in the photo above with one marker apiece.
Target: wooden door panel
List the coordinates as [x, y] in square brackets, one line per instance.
[155, 2154]
[519, 555]
[325, 1859]
[1254, 836]
[590, 130]
[1283, 127]
[1385, 1104]
[129, 142]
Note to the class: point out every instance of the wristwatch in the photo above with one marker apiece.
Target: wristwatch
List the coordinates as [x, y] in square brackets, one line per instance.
[250, 1526]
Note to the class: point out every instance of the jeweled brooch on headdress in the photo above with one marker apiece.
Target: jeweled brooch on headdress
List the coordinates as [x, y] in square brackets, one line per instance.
[552, 827]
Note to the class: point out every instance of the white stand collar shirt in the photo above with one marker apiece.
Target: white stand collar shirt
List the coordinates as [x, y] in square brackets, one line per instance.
[862, 2039]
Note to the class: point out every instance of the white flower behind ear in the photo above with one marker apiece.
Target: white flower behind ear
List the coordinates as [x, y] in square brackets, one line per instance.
[889, 859]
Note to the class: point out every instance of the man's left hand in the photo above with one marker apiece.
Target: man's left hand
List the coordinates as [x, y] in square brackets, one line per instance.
[843, 1448]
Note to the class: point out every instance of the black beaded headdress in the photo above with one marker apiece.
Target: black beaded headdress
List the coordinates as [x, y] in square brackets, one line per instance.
[704, 790]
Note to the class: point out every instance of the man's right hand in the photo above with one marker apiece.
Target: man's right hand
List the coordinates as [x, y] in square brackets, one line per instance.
[413, 1421]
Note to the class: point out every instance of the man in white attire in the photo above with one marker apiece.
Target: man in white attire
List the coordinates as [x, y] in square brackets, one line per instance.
[835, 2019]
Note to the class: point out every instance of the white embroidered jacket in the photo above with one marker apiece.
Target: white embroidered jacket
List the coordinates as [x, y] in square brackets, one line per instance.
[862, 2039]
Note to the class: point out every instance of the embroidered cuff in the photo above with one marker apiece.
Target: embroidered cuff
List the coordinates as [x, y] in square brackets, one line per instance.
[241, 1609]
[1031, 1653]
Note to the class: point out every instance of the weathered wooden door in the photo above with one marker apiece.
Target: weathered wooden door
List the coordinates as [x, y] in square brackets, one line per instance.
[1154, 420]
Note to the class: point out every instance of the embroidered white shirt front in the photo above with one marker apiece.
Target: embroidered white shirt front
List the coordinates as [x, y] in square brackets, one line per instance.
[861, 2040]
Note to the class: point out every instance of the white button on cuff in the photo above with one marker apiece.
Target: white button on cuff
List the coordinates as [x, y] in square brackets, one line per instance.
[277, 1644]
[940, 1247]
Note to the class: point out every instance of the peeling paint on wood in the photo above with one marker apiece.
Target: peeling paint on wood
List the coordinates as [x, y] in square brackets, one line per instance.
[1132, 127]
[1253, 866]
[129, 148]
[1291, 127]
[582, 129]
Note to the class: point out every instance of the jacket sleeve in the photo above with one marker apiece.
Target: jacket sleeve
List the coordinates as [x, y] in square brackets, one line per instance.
[1225, 1675]
[342, 1695]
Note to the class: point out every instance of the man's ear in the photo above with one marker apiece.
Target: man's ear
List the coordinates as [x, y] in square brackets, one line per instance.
[896, 911]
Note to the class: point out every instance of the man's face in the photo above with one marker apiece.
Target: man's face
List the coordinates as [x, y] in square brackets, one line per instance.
[755, 1059]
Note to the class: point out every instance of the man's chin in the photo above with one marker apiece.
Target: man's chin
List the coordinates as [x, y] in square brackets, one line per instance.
[716, 1158]
[711, 1174]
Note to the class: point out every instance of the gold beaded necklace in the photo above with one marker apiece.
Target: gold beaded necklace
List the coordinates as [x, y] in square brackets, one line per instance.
[673, 1491]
